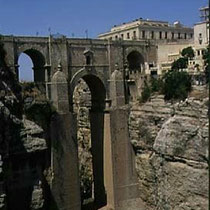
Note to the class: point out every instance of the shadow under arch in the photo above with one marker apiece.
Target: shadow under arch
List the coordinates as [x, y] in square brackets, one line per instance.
[38, 61]
[96, 86]
[98, 95]
[135, 61]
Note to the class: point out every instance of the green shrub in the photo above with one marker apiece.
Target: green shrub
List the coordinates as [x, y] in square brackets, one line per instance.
[188, 52]
[177, 84]
[146, 92]
[206, 58]
[181, 63]
[156, 85]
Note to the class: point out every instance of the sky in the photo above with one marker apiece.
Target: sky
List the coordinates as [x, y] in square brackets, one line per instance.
[73, 17]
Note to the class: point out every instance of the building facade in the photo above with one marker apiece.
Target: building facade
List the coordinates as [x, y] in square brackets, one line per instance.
[201, 38]
[141, 29]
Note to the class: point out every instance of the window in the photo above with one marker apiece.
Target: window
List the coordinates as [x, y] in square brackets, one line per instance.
[152, 35]
[160, 34]
[200, 38]
[179, 36]
[191, 35]
[88, 60]
[198, 52]
[172, 35]
[151, 65]
[134, 34]
[116, 37]
[122, 36]
[166, 35]
[185, 36]
[143, 34]
[128, 36]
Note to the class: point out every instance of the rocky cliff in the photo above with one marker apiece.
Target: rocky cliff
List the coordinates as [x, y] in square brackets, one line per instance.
[23, 146]
[171, 145]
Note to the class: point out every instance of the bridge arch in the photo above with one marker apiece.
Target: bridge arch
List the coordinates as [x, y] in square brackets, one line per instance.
[95, 84]
[96, 120]
[135, 61]
[38, 61]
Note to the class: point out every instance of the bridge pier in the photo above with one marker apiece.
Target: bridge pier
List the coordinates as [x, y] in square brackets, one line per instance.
[120, 175]
[65, 185]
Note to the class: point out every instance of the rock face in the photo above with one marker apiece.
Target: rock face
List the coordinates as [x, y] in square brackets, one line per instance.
[23, 146]
[171, 144]
[82, 105]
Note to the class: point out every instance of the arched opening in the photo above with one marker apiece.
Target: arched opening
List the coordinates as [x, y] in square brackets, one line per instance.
[31, 66]
[88, 103]
[25, 73]
[135, 61]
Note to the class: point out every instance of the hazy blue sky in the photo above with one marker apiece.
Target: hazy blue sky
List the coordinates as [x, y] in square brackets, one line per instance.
[27, 17]
[68, 17]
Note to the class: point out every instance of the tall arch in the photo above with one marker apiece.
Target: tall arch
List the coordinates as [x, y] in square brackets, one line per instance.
[96, 115]
[38, 61]
[135, 61]
[96, 86]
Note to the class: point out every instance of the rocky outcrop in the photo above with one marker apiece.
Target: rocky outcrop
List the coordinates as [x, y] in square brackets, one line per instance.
[82, 104]
[32, 137]
[23, 146]
[171, 144]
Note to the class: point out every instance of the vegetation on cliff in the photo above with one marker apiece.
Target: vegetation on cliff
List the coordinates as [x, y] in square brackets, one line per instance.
[176, 83]
[206, 57]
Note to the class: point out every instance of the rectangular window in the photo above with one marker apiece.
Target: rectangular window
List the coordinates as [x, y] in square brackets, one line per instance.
[143, 34]
[128, 36]
[185, 36]
[179, 36]
[152, 35]
[160, 34]
[134, 34]
[166, 35]
[191, 35]
[198, 52]
[172, 35]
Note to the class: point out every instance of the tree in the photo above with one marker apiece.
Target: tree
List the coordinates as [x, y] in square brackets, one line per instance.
[188, 52]
[176, 85]
[146, 92]
[206, 58]
[181, 63]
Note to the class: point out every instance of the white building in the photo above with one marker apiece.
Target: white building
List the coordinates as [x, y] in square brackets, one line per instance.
[141, 29]
[201, 38]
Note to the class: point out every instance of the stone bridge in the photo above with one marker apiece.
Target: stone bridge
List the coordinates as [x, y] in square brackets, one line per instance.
[58, 64]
